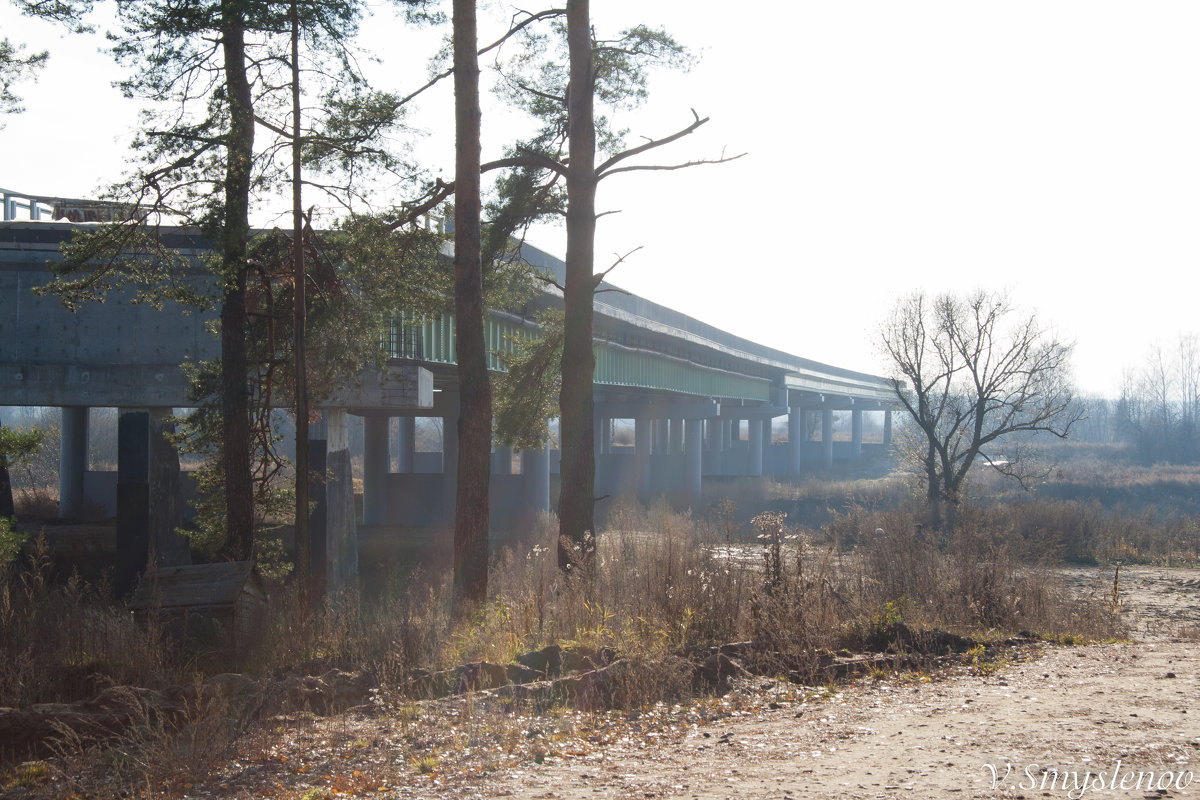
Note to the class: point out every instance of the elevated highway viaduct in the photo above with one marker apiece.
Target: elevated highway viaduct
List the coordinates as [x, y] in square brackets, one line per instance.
[699, 402]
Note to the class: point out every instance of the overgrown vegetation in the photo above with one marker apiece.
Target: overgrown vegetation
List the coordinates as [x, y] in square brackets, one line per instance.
[664, 584]
[666, 589]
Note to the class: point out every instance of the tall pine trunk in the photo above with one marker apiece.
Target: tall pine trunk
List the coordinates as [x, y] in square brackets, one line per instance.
[576, 504]
[475, 395]
[235, 395]
[303, 538]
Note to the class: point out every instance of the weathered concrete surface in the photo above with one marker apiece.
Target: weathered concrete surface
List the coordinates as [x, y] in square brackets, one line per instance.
[114, 353]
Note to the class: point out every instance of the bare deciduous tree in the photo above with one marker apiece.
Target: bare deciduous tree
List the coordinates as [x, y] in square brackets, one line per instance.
[978, 379]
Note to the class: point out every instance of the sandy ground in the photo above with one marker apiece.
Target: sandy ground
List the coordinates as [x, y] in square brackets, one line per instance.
[1118, 720]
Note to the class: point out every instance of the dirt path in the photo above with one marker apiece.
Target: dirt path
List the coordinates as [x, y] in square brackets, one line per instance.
[1032, 728]
[1074, 709]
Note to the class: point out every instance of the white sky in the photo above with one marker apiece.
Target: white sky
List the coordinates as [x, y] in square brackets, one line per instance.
[1050, 148]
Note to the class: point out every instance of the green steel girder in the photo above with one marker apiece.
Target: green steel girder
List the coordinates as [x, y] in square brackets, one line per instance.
[432, 340]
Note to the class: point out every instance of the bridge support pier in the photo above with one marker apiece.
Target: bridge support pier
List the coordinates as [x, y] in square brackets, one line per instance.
[149, 497]
[795, 439]
[693, 449]
[887, 427]
[856, 433]
[827, 435]
[535, 483]
[717, 434]
[502, 460]
[333, 531]
[376, 466]
[675, 445]
[754, 461]
[341, 535]
[641, 455]
[318, 500]
[662, 438]
[406, 435]
[450, 457]
[73, 460]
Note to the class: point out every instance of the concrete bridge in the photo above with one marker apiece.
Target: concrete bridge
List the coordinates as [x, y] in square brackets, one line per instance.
[700, 403]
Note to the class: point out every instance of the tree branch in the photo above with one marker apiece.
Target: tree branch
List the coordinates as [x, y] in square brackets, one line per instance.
[669, 167]
[513, 30]
[442, 190]
[606, 167]
[600, 276]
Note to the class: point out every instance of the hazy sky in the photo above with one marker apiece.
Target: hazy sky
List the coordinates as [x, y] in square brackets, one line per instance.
[1049, 148]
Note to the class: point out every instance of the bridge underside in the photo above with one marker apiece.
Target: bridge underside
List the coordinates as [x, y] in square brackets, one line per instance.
[649, 445]
[677, 402]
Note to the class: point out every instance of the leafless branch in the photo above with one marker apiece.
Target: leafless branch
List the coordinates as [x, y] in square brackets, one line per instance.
[600, 276]
[605, 167]
[670, 167]
[513, 30]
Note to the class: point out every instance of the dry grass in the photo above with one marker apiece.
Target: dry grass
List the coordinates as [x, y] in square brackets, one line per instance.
[664, 588]
[663, 585]
[61, 642]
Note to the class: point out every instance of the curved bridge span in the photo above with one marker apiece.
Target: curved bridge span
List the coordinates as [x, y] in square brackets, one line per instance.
[678, 401]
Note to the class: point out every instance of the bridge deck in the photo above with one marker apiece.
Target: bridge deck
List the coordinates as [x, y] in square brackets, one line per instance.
[122, 353]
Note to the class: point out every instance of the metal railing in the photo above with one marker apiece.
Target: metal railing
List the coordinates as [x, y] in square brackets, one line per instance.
[28, 206]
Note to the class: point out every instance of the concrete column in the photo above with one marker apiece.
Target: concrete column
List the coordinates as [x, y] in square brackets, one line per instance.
[827, 435]
[318, 499]
[733, 432]
[642, 442]
[856, 425]
[72, 461]
[693, 461]
[662, 438]
[887, 427]
[502, 460]
[795, 439]
[168, 547]
[149, 502]
[606, 430]
[676, 437]
[133, 498]
[376, 466]
[754, 461]
[449, 463]
[406, 442]
[535, 479]
[717, 434]
[766, 435]
[341, 533]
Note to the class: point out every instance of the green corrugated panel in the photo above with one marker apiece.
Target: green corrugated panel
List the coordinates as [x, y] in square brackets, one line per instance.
[615, 366]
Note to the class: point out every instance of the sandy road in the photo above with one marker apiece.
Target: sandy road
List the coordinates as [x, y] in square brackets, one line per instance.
[1120, 720]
